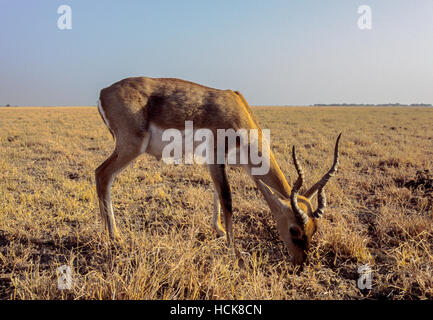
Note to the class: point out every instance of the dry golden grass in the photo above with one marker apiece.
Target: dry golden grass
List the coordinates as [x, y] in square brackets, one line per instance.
[379, 212]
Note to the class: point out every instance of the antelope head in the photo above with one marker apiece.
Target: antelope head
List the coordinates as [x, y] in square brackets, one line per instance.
[296, 220]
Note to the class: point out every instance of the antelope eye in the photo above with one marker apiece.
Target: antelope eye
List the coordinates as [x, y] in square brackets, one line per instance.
[295, 231]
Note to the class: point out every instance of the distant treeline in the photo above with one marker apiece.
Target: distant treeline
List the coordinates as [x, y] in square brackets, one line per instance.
[373, 105]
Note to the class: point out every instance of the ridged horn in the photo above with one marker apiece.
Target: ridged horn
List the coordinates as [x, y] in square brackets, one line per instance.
[322, 182]
[299, 213]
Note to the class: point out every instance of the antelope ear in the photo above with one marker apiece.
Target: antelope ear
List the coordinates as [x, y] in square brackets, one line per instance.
[271, 190]
[272, 195]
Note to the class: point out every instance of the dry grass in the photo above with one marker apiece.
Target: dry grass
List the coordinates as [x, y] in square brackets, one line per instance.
[380, 212]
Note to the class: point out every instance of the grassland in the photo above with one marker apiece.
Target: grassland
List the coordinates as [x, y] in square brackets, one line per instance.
[380, 212]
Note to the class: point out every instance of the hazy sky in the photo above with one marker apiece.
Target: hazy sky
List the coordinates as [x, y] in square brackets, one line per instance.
[274, 52]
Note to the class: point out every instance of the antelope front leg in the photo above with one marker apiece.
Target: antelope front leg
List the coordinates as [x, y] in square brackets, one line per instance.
[216, 218]
[222, 188]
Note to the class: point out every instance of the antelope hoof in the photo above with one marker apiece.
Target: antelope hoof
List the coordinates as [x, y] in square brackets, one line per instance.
[220, 231]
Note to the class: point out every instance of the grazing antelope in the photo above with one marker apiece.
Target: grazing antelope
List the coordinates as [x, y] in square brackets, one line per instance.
[138, 110]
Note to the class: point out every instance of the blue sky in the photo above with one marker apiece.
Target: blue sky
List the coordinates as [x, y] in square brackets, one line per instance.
[274, 52]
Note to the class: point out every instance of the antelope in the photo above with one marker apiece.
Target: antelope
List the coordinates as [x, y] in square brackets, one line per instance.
[137, 111]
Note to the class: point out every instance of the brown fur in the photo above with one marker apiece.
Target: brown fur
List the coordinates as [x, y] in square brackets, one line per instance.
[130, 105]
